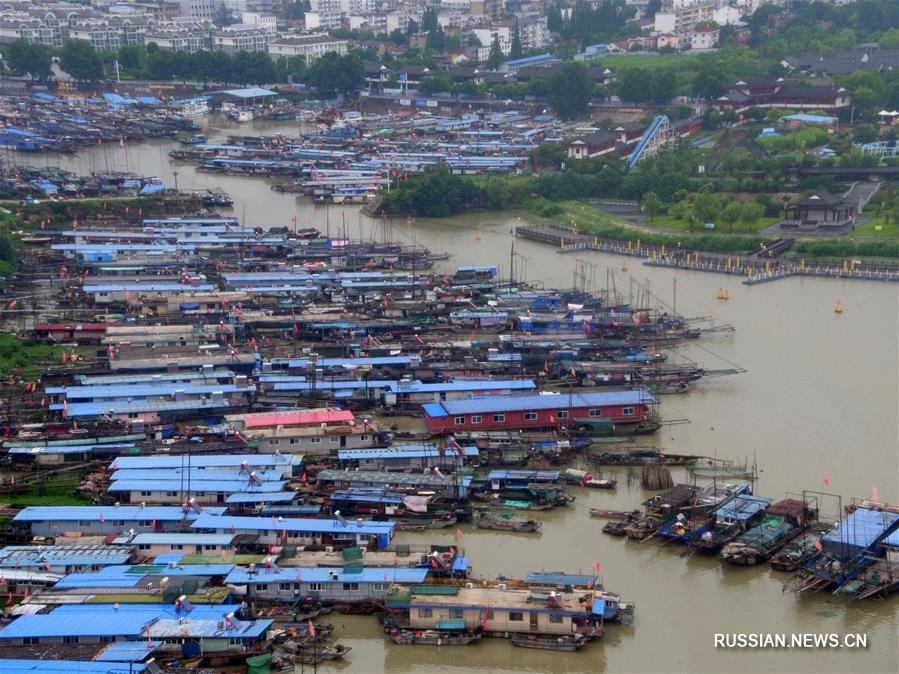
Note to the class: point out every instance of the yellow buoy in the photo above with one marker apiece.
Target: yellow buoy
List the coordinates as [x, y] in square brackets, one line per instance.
[839, 308]
[723, 294]
[624, 267]
[477, 236]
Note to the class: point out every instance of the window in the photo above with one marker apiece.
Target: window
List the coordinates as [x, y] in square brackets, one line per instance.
[316, 587]
[179, 546]
[70, 639]
[294, 441]
[425, 613]
[315, 441]
[235, 641]
[530, 416]
[171, 493]
[83, 523]
[31, 640]
[456, 613]
[334, 439]
[561, 414]
[261, 587]
[555, 618]
[458, 420]
[143, 546]
[499, 417]
[516, 616]
[146, 493]
[595, 413]
[627, 411]
[284, 586]
[363, 437]
[348, 587]
[145, 523]
[476, 419]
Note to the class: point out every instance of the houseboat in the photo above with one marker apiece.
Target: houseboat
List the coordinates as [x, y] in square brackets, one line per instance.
[782, 522]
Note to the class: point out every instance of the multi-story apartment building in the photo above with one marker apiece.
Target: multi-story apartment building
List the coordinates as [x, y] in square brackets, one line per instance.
[241, 37]
[111, 32]
[41, 25]
[181, 36]
[198, 9]
[533, 32]
[487, 34]
[310, 47]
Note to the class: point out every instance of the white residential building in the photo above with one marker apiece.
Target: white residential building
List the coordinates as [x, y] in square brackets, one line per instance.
[240, 37]
[309, 47]
[486, 36]
[198, 9]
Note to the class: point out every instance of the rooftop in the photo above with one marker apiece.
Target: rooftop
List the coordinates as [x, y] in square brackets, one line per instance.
[510, 403]
[128, 513]
[332, 526]
[242, 575]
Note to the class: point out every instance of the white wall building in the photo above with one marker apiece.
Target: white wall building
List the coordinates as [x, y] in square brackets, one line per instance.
[309, 47]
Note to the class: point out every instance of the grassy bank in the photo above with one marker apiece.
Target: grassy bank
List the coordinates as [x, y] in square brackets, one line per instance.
[592, 220]
[59, 493]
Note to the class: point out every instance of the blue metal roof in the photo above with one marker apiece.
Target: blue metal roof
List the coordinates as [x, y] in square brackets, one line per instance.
[558, 578]
[539, 475]
[98, 623]
[401, 452]
[71, 449]
[253, 461]
[742, 507]
[344, 362]
[324, 526]
[250, 92]
[127, 513]
[145, 390]
[189, 538]
[463, 385]
[553, 401]
[278, 497]
[207, 486]
[71, 666]
[197, 476]
[126, 651]
[861, 528]
[118, 407]
[242, 575]
[57, 555]
[367, 495]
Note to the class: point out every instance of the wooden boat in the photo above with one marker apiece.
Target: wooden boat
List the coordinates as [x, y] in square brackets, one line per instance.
[798, 551]
[643, 457]
[438, 637]
[312, 655]
[547, 642]
[783, 521]
[586, 479]
[611, 514]
[483, 520]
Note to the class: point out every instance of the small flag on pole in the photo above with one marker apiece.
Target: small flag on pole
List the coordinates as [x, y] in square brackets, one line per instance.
[597, 566]
[826, 480]
[875, 495]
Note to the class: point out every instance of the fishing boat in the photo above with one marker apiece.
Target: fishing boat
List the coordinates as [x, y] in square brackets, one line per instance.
[585, 479]
[783, 521]
[660, 509]
[193, 140]
[798, 551]
[547, 642]
[643, 457]
[447, 633]
[313, 655]
[193, 108]
[213, 199]
[504, 522]
[722, 525]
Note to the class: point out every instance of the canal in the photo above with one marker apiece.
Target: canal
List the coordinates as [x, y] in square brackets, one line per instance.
[818, 398]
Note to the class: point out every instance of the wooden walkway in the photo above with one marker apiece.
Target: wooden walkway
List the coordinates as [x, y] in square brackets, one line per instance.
[755, 269]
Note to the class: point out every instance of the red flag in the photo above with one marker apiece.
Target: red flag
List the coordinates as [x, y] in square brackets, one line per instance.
[303, 478]
[875, 495]
[486, 617]
[284, 535]
[597, 566]
[9, 599]
[153, 522]
[311, 629]
[458, 534]
[826, 480]
[224, 555]
[819, 546]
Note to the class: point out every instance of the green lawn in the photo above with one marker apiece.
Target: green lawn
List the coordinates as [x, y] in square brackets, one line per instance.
[58, 494]
[670, 222]
[585, 214]
[870, 228]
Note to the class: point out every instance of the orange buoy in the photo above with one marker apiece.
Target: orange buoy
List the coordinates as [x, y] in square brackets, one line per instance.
[839, 308]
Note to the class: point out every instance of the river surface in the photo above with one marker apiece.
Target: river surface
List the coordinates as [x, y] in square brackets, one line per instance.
[818, 398]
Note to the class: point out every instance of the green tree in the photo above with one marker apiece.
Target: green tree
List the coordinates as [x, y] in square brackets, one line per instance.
[80, 60]
[570, 91]
[334, 74]
[515, 51]
[730, 214]
[706, 206]
[495, 59]
[30, 59]
[131, 59]
[865, 133]
[750, 213]
[651, 205]
[710, 80]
